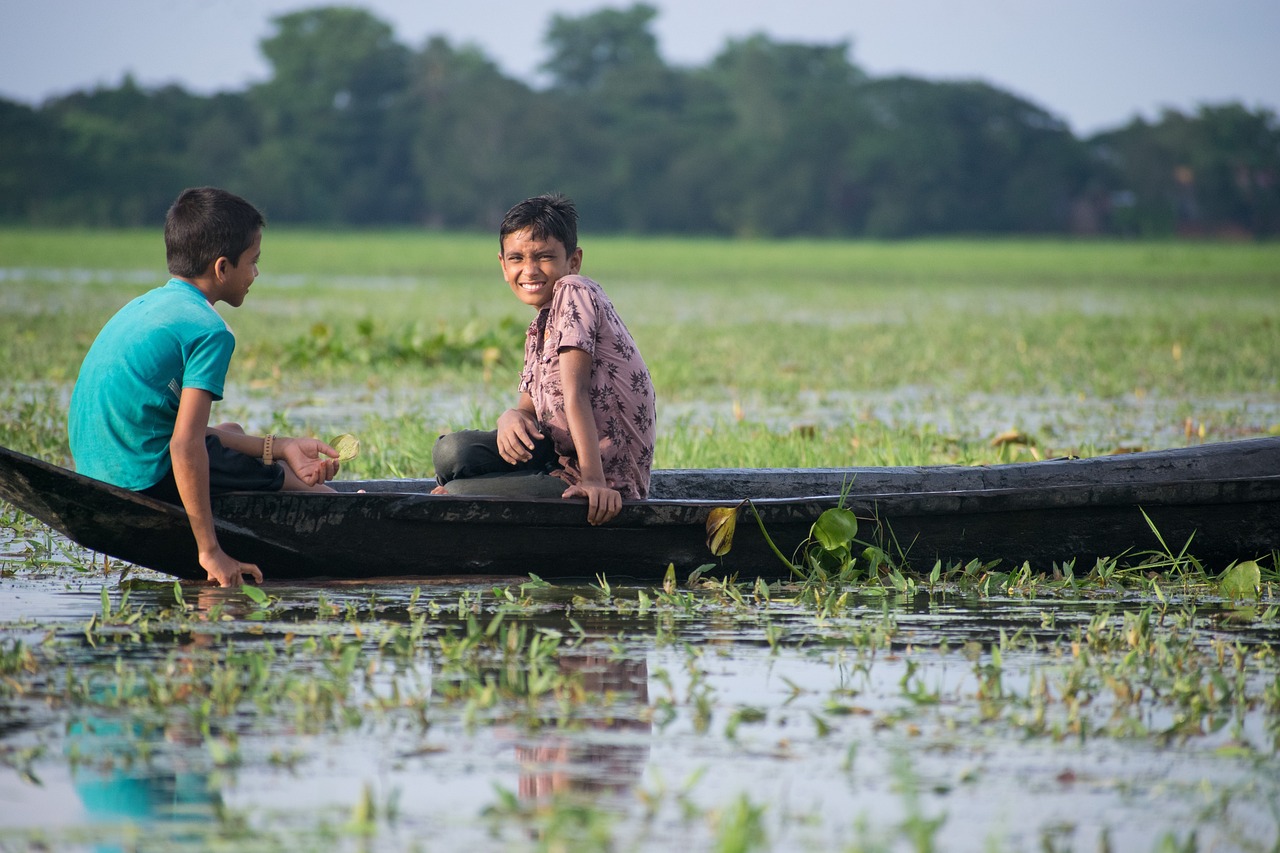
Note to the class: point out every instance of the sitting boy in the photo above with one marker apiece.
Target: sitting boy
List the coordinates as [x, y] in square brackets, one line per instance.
[139, 415]
[585, 423]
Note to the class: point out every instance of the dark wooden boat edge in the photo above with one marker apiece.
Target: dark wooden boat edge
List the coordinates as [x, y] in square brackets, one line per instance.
[1183, 492]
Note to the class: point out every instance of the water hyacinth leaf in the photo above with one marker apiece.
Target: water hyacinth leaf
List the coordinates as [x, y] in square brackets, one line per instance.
[254, 593]
[722, 521]
[347, 445]
[1243, 580]
[835, 528]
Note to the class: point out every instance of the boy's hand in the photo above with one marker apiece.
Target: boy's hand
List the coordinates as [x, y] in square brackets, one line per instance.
[306, 456]
[227, 570]
[517, 433]
[603, 503]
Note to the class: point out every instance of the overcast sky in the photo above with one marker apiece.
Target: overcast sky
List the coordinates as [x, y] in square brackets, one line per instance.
[1095, 63]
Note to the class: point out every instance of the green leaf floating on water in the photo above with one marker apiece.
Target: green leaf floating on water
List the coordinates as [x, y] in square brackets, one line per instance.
[347, 445]
[835, 528]
[254, 593]
[1242, 580]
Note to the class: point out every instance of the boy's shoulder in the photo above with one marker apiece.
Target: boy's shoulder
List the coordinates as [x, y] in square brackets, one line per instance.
[173, 316]
[578, 280]
[177, 302]
[577, 284]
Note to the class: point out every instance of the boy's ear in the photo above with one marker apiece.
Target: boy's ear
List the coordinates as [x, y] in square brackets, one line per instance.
[575, 261]
[219, 267]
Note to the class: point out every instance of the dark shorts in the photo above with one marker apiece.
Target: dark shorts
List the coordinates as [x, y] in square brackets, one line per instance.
[229, 471]
[474, 453]
[468, 463]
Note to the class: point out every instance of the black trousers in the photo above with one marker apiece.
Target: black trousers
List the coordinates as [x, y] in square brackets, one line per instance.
[467, 462]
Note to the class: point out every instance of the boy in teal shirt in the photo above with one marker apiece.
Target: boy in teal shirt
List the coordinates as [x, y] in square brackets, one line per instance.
[139, 415]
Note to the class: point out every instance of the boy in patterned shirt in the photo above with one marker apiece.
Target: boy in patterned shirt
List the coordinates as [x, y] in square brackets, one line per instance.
[585, 423]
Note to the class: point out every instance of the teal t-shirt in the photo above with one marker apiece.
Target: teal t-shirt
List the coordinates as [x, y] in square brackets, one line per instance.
[125, 402]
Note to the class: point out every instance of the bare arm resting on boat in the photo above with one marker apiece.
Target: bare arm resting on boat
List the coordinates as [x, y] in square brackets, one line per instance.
[191, 473]
[603, 502]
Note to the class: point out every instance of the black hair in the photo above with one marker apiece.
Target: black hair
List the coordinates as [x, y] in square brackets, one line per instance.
[547, 215]
[207, 223]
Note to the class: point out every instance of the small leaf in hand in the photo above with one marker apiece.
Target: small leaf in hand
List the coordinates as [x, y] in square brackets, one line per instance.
[721, 522]
[347, 445]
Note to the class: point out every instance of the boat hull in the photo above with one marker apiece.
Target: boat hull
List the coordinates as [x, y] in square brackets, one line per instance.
[1221, 503]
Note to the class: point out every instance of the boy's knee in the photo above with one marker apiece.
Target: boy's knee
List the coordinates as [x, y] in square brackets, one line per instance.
[445, 456]
[451, 454]
[466, 453]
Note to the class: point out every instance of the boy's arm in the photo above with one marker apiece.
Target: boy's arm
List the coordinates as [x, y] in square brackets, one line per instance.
[517, 430]
[191, 473]
[305, 456]
[603, 503]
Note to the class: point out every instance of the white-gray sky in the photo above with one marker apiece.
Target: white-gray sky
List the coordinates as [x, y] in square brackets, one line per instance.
[1095, 63]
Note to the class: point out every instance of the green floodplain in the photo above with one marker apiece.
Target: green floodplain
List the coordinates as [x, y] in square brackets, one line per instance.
[1133, 704]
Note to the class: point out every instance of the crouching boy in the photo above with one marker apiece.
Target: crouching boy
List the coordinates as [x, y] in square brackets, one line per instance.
[139, 415]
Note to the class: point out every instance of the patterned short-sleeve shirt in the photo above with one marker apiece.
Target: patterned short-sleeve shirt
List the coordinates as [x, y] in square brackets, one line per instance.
[580, 315]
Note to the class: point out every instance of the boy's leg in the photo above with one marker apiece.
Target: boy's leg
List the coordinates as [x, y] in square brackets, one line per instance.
[250, 476]
[229, 471]
[519, 484]
[233, 471]
[471, 453]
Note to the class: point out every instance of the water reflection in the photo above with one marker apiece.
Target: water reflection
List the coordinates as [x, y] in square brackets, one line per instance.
[117, 785]
[611, 755]
[133, 771]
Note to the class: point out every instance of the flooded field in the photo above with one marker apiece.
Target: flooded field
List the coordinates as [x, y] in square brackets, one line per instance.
[1127, 705]
[512, 714]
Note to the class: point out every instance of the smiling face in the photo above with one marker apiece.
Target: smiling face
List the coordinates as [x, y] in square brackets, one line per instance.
[532, 267]
[233, 281]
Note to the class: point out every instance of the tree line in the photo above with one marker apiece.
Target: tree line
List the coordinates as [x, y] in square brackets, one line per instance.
[768, 139]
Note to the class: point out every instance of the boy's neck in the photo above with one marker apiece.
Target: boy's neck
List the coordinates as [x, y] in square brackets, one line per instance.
[202, 283]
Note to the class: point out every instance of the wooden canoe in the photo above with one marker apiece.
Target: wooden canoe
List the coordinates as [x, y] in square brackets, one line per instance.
[1223, 498]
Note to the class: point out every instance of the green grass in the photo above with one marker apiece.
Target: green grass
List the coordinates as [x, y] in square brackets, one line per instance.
[756, 329]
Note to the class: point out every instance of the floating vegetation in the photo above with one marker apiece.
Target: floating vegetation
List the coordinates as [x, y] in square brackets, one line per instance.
[369, 342]
[976, 704]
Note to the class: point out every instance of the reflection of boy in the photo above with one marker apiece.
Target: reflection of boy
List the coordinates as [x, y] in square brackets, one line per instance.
[586, 414]
[139, 415]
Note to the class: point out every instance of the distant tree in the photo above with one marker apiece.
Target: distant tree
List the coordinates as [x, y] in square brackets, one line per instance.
[770, 138]
[647, 151]
[630, 126]
[334, 145]
[962, 157]
[587, 50]
[128, 150]
[793, 116]
[480, 139]
[35, 170]
[1214, 172]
